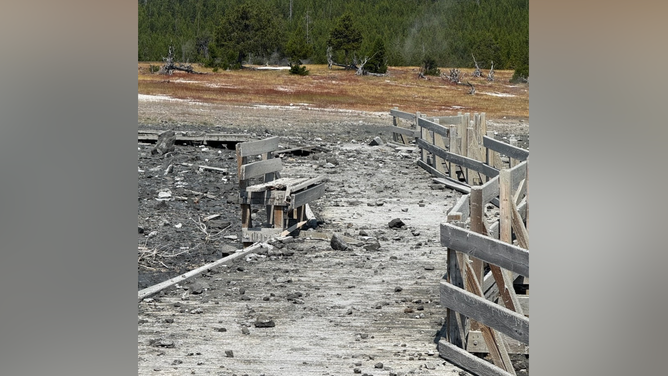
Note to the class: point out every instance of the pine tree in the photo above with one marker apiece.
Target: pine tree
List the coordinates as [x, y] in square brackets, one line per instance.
[345, 36]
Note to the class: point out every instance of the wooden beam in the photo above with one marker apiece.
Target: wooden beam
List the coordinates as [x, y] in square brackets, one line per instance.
[258, 147]
[493, 251]
[521, 232]
[505, 149]
[467, 361]
[458, 159]
[304, 197]
[455, 321]
[402, 115]
[462, 206]
[260, 168]
[490, 189]
[434, 127]
[475, 343]
[430, 169]
[482, 310]
[456, 185]
[145, 293]
[450, 120]
[495, 343]
[400, 130]
[148, 136]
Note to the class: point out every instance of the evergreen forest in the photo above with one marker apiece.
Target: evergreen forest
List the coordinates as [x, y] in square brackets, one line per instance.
[231, 33]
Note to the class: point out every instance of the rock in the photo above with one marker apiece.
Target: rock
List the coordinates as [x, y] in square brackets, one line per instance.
[140, 229]
[229, 353]
[338, 244]
[165, 143]
[329, 165]
[198, 287]
[396, 223]
[162, 343]
[372, 246]
[333, 161]
[363, 233]
[378, 365]
[398, 289]
[264, 321]
[245, 331]
[376, 141]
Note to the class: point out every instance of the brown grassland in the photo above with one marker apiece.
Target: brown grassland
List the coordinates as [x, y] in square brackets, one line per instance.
[342, 89]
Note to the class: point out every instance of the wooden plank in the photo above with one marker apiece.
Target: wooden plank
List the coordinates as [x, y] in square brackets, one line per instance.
[455, 321]
[505, 149]
[524, 303]
[145, 293]
[449, 120]
[274, 184]
[480, 309]
[402, 115]
[452, 168]
[144, 136]
[294, 187]
[306, 196]
[517, 174]
[490, 189]
[439, 141]
[461, 206]
[458, 186]
[253, 235]
[401, 130]
[493, 251]
[521, 232]
[475, 343]
[458, 159]
[259, 168]
[505, 210]
[467, 361]
[495, 344]
[258, 147]
[430, 169]
[433, 127]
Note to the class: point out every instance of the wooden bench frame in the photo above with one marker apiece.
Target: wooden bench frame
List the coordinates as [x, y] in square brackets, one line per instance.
[284, 198]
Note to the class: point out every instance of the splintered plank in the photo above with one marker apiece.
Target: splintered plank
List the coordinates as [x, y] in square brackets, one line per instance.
[493, 251]
[258, 147]
[259, 168]
[482, 310]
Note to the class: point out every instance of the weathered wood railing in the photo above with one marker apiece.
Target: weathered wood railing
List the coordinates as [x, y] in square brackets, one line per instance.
[485, 313]
[458, 150]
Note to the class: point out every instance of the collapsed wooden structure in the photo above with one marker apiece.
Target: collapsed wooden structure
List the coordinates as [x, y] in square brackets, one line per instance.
[485, 289]
[285, 199]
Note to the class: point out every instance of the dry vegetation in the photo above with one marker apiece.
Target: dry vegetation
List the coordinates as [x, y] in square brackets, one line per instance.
[341, 89]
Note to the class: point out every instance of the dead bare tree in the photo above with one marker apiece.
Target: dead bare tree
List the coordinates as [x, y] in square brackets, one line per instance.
[490, 75]
[454, 76]
[477, 72]
[170, 65]
[330, 62]
[360, 69]
[472, 91]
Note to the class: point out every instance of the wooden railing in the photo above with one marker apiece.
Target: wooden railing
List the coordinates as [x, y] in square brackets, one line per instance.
[485, 290]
